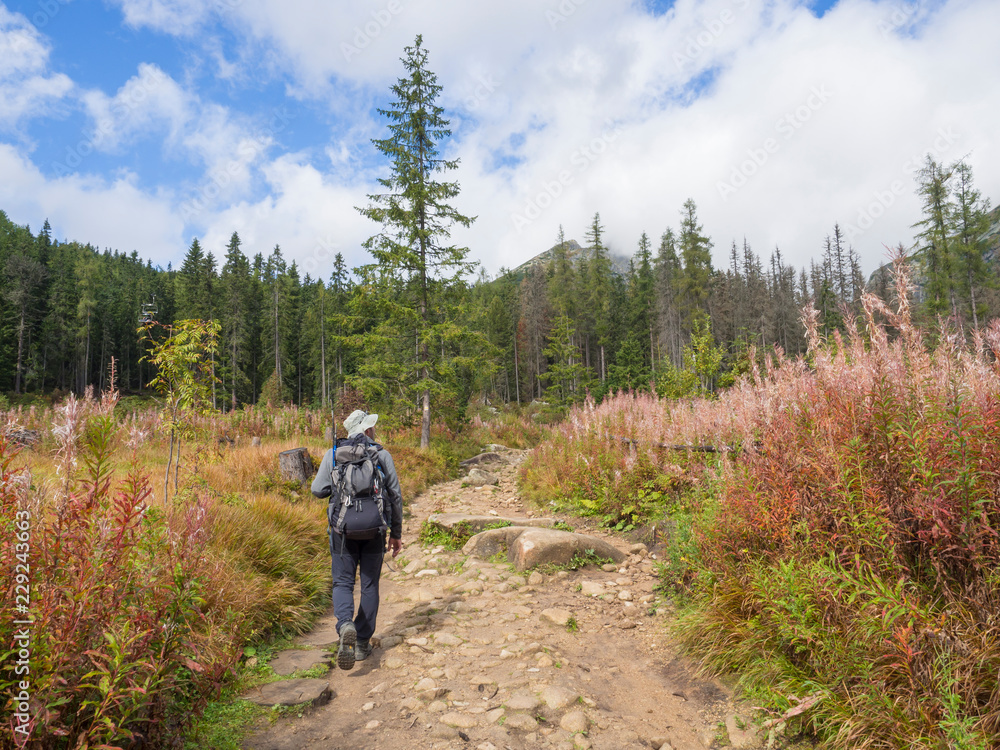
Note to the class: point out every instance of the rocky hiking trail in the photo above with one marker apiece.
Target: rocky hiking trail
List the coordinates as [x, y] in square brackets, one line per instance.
[470, 653]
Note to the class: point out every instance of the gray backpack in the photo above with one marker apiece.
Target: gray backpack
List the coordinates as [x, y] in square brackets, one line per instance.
[357, 509]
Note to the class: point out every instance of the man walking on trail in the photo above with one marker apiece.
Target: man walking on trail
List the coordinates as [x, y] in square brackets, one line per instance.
[350, 554]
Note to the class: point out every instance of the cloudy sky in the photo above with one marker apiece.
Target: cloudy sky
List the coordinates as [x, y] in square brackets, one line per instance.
[142, 124]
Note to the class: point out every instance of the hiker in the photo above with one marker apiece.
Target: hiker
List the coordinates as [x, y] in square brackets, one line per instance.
[347, 552]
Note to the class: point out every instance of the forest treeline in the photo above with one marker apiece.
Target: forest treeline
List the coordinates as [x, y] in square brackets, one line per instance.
[559, 328]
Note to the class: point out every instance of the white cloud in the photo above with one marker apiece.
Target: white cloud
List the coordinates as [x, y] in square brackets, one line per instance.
[115, 214]
[180, 17]
[604, 108]
[27, 88]
[309, 214]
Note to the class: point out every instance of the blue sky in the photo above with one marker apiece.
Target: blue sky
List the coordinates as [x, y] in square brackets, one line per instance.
[141, 124]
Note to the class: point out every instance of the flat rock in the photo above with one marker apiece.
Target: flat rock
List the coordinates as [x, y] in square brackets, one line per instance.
[521, 721]
[324, 637]
[291, 693]
[461, 721]
[574, 721]
[288, 662]
[591, 588]
[483, 458]
[556, 616]
[557, 697]
[522, 702]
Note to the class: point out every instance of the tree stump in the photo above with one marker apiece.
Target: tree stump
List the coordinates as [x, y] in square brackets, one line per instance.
[296, 465]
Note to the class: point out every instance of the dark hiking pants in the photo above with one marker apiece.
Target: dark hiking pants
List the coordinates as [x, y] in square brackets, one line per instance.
[348, 555]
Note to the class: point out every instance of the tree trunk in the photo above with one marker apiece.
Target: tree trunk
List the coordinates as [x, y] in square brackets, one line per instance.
[166, 474]
[20, 349]
[296, 465]
[517, 376]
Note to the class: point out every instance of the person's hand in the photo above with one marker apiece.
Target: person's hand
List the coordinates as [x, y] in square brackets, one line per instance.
[395, 545]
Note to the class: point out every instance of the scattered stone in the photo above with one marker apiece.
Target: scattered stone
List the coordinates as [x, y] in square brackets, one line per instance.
[557, 697]
[574, 721]
[292, 693]
[437, 707]
[292, 660]
[425, 684]
[428, 572]
[522, 702]
[638, 549]
[416, 641]
[626, 624]
[413, 566]
[545, 661]
[369, 706]
[536, 578]
[521, 721]
[558, 617]
[591, 588]
[411, 704]
[391, 641]
[422, 595]
[461, 721]
[625, 596]
[583, 743]
[373, 725]
[494, 716]
[447, 639]
[609, 567]
[393, 662]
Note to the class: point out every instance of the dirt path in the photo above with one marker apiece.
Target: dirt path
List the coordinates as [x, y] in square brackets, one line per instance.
[468, 660]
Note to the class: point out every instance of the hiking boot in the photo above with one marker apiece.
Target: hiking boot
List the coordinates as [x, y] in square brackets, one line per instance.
[348, 640]
[362, 650]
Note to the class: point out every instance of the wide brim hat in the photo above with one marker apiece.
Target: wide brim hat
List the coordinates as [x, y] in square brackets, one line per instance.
[358, 421]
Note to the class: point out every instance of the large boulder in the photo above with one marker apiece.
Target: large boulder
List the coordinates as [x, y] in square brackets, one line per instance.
[452, 521]
[482, 458]
[479, 478]
[530, 547]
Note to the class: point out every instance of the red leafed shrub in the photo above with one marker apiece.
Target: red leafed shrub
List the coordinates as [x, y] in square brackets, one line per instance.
[116, 655]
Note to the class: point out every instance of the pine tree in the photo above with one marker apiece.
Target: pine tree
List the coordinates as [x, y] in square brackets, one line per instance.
[416, 220]
[235, 292]
[696, 252]
[599, 291]
[971, 221]
[934, 237]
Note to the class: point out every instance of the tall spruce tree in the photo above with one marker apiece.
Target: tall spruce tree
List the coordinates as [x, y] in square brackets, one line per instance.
[416, 221]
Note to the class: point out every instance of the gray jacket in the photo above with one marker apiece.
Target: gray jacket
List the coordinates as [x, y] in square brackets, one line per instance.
[322, 486]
